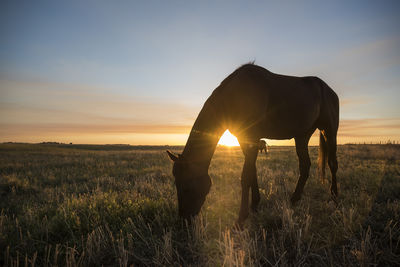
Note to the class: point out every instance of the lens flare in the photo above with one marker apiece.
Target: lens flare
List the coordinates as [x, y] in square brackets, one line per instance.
[228, 139]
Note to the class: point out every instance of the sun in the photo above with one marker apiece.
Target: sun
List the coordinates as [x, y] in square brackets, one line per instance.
[228, 139]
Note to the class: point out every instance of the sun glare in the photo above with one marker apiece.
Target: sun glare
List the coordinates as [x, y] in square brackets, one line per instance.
[228, 139]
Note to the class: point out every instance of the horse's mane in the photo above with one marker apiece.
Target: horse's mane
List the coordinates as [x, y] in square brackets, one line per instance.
[248, 63]
[230, 76]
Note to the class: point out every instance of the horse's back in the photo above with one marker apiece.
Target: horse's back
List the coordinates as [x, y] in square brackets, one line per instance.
[276, 106]
[251, 82]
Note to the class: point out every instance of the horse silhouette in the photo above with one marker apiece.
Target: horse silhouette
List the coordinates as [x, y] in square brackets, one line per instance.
[262, 146]
[254, 103]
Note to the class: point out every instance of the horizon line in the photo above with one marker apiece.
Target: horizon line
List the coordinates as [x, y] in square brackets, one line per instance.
[387, 142]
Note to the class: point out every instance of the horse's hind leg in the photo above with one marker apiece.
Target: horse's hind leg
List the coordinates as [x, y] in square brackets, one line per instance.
[255, 192]
[332, 160]
[304, 166]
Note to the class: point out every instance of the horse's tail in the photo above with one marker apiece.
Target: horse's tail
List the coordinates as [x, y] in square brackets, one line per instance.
[322, 155]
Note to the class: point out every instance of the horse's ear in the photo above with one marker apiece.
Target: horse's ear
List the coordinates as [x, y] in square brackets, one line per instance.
[172, 156]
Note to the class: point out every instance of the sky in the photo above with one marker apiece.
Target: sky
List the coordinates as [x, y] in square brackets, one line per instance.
[138, 72]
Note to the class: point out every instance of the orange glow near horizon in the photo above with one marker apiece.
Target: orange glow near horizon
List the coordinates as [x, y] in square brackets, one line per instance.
[228, 139]
[13, 129]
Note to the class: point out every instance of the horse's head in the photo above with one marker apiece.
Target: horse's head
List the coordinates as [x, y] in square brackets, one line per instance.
[192, 186]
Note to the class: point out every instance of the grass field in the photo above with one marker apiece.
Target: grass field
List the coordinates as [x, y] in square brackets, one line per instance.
[116, 205]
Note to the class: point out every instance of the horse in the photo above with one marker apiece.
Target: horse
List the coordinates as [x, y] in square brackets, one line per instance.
[254, 103]
[262, 146]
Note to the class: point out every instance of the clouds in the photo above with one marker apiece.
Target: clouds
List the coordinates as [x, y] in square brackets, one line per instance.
[38, 111]
[359, 61]
[42, 102]
[388, 128]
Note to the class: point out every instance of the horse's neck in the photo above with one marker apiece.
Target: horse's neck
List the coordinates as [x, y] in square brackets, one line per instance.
[203, 138]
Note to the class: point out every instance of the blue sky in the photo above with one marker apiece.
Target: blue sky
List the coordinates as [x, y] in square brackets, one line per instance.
[133, 66]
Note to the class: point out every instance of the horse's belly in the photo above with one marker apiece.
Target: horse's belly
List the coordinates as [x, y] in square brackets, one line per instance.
[281, 127]
[272, 132]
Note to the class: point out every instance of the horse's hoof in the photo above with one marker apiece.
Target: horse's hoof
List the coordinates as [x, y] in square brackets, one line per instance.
[335, 200]
[334, 195]
[239, 225]
[294, 199]
[254, 209]
[334, 192]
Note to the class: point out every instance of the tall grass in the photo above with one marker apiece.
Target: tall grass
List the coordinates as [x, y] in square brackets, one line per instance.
[73, 206]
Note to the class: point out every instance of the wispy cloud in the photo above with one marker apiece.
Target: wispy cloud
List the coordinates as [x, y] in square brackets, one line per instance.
[38, 102]
[383, 128]
[359, 60]
[43, 111]
[54, 128]
[352, 101]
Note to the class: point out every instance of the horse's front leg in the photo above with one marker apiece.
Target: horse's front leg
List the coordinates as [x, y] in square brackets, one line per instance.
[244, 205]
[249, 179]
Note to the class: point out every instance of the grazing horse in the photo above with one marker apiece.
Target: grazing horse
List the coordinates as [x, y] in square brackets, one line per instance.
[254, 103]
[262, 146]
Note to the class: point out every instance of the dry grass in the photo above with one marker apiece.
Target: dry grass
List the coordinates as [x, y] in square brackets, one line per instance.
[116, 206]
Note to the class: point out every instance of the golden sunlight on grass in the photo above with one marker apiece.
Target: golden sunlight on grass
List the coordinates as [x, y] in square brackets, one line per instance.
[228, 139]
[101, 205]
